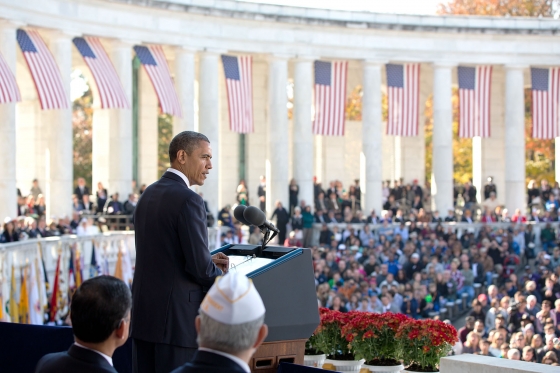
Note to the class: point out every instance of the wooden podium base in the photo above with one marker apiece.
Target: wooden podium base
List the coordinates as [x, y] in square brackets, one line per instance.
[270, 354]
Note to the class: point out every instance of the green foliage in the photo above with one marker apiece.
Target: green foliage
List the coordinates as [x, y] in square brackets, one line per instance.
[165, 132]
[82, 116]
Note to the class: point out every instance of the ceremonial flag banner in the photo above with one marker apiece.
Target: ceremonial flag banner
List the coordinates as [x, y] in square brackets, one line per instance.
[23, 299]
[545, 89]
[474, 101]
[118, 266]
[9, 91]
[403, 96]
[55, 291]
[330, 97]
[44, 71]
[239, 84]
[35, 308]
[14, 309]
[155, 64]
[111, 91]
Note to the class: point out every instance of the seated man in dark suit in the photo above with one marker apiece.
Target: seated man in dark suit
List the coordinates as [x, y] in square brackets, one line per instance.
[100, 314]
[230, 327]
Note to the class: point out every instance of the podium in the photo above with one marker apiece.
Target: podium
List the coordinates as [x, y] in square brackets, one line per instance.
[285, 280]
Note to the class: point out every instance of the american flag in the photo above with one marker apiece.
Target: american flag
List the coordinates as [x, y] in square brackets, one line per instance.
[9, 91]
[545, 88]
[153, 60]
[474, 101]
[111, 91]
[239, 83]
[403, 94]
[44, 70]
[330, 97]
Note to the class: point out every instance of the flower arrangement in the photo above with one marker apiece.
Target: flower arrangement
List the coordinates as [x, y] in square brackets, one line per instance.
[373, 337]
[328, 336]
[424, 343]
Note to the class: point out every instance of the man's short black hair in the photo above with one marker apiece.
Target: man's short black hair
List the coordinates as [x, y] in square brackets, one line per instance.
[187, 141]
[98, 307]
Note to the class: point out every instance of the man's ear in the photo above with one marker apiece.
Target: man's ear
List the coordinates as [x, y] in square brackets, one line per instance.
[197, 324]
[182, 156]
[121, 332]
[263, 332]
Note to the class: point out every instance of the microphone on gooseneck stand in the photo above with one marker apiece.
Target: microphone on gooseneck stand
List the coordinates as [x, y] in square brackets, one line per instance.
[238, 214]
[256, 217]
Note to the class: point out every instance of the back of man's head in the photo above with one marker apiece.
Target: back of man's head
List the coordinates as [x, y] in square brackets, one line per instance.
[232, 316]
[98, 307]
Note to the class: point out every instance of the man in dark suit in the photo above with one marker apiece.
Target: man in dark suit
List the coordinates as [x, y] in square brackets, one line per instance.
[115, 207]
[261, 193]
[230, 327]
[174, 269]
[100, 314]
[282, 220]
[81, 189]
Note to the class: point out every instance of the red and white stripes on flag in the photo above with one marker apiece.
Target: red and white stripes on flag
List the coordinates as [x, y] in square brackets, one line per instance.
[44, 71]
[403, 98]
[239, 83]
[154, 61]
[546, 93]
[9, 91]
[474, 101]
[330, 98]
[111, 91]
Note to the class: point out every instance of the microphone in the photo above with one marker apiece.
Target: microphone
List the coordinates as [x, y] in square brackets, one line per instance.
[256, 217]
[238, 214]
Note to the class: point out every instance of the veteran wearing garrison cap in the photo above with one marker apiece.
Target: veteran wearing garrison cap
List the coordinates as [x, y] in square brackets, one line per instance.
[230, 327]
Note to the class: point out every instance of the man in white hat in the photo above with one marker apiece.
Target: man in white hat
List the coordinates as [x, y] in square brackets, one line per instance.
[230, 327]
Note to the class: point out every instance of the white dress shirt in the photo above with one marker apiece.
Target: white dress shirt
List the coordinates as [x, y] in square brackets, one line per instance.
[240, 362]
[180, 174]
[108, 358]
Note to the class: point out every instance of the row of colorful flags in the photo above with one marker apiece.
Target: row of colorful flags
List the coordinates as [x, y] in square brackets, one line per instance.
[403, 89]
[39, 301]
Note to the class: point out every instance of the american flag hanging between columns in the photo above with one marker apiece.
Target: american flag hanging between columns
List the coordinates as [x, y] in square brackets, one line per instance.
[111, 91]
[403, 96]
[239, 83]
[330, 98]
[545, 92]
[9, 91]
[474, 101]
[44, 70]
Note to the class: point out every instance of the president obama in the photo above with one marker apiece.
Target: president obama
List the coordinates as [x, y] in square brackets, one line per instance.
[174, 268]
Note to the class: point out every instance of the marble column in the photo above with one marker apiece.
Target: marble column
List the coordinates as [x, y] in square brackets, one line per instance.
[371, 158]
[184, 83]
[59, 147]
[120, 129]
[209, 124]
[148, 115]
[8, 201]
[515, 139]
[303, 135]
[442, 138]
[277, 154]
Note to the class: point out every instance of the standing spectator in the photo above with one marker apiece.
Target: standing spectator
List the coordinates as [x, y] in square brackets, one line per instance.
[134, 187]
[533, 193]
[282, 220]
[40, 207]
[261, 193]
[77, 204]
[490, 188]
[297, 219]
[242, 193]
[308, 221]
[548, 238]
[102, 197]
[35, 189]
[88, 205]
[294, 191]
[81, 189]
[130, 204]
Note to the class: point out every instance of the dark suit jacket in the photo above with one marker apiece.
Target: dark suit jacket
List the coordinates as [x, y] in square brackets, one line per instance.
[76, 359]
[174, 268]
[208, 362]
[78, 192]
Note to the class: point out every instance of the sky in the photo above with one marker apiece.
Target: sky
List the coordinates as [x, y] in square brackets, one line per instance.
[377, 6]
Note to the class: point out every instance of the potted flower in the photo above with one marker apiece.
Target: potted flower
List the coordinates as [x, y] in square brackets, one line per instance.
[372, 337]
[313, 356]
[334, 344]
[424, 343]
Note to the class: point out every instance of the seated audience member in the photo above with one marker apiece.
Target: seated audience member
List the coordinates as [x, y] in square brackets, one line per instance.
[100, 314]
[230, 327]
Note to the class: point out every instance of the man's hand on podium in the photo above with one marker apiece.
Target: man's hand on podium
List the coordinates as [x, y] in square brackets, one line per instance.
[221, 261]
